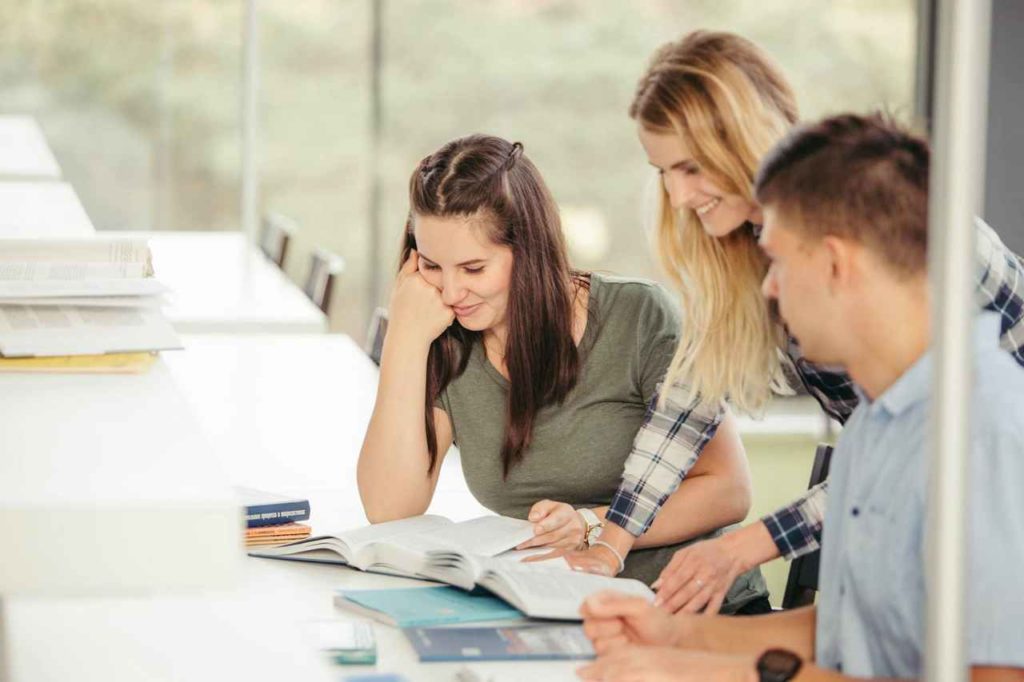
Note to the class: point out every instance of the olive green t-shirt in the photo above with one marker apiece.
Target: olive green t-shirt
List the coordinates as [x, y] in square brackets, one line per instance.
[578, 447]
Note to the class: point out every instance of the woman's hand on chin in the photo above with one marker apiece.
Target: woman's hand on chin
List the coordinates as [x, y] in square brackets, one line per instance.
[556, 525]
[417, 310]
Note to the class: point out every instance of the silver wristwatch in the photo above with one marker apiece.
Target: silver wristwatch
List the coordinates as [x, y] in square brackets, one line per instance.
[594, 526]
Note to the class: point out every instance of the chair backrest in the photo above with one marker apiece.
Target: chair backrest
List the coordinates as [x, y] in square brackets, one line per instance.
[375, 334]
[276, 231]
[324, 267]
[803, 571]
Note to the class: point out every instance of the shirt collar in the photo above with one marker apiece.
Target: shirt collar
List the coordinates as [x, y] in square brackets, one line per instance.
[915, 384]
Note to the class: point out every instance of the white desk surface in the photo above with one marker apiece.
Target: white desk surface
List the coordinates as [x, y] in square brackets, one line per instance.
[123, 452]
[24, 153]
[288, 413]
[283, 413]
[221, 283]
[32, 209]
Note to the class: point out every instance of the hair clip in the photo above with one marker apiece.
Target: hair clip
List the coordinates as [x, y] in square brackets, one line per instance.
[513, 156]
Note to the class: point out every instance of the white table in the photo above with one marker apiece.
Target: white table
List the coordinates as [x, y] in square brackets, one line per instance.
[123, 451]
[42, 210]
[108, 483]
[288, 413]
[284, 413]
[24, 153]
[222, 283]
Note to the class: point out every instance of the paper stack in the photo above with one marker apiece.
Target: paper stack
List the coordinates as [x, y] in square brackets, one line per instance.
[83, 297]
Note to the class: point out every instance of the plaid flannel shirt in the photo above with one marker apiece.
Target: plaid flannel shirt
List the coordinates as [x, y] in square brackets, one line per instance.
[671, 439]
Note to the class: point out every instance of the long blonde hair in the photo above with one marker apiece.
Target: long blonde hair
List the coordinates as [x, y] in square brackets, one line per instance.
[730, 104]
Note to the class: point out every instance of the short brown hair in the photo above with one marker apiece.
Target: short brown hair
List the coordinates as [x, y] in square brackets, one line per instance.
[860, 177]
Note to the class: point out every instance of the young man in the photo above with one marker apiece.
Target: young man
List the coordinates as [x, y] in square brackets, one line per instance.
[845, 205]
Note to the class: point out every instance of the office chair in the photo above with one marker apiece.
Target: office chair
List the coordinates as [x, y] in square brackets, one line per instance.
[375, 334]
[276, 231]
[802, 583]
[324, 267]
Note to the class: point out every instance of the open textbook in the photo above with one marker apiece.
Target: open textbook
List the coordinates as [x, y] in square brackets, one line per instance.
[85, 296]
[467, 554]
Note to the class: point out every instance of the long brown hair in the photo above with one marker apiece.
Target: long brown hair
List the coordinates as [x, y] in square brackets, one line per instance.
[488, 177]
[729, 104]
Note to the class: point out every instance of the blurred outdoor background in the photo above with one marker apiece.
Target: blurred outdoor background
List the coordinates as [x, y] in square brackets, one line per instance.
[140, 102]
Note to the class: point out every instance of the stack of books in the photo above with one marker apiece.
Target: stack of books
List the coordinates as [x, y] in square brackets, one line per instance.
[273, 519]
[82, 305]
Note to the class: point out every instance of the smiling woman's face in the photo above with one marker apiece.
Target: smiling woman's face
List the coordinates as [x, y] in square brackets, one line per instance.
[689, 187]
[472, 272]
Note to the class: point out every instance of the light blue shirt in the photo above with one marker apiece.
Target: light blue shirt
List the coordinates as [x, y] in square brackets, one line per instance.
[871, 609]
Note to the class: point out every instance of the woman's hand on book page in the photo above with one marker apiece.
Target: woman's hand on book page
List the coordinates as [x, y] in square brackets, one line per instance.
[698, 577]
[555, 525]
[613, 620]
[664, 664]
[417, 310]
[598, 560]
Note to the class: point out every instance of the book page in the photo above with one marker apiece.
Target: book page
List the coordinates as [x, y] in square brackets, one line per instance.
[520, 556]
[56, 270]
[39, 331]
[457, 554]
[148, 301]
[90, 250]
[380, 532]
[550, 593]
[146, 286]
[362, 547]
[485, 536]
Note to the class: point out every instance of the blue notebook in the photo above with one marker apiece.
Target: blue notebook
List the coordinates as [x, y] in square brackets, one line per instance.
[426, 606]
[530, 643]
[268, 509]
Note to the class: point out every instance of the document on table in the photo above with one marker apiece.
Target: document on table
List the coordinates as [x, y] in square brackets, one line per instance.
[83, 267]
[39, 331]
[90, 287]
[154, 301]
[90, 250]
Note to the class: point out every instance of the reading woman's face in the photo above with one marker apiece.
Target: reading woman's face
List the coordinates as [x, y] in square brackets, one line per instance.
[472, 272]
[689, 187]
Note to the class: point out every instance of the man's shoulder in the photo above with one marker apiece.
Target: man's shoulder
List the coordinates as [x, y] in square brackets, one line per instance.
[996, 407]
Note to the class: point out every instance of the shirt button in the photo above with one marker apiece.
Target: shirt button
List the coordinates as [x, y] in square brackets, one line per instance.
[855, 511]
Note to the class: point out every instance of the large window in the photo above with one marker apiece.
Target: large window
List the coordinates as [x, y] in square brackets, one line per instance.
[141, 104]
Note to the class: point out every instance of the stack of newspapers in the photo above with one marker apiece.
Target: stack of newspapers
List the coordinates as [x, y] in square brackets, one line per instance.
[84, 297]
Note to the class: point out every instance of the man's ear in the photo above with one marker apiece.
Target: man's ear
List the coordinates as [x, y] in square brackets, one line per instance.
[841, 259]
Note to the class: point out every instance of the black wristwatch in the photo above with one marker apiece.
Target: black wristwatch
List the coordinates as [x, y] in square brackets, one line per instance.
[778, 665]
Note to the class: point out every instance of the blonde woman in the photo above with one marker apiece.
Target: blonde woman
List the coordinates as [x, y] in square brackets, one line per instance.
[707, 109]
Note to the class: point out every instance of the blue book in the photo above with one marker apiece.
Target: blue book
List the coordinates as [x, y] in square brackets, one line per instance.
[530, 643]
[268, 509]
[426, 606]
